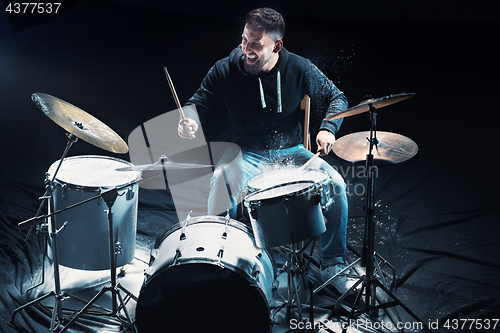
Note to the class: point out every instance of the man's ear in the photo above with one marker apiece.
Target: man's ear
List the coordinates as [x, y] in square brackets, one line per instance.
[277, 46]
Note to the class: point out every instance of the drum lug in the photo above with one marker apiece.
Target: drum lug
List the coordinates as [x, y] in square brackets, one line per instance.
[286, 206]
[130, 193]
[99, 200]
[65, 191]
[176, 258]
[220, 254]
[318, 194]
[252, 212]
[255, 270]
[183, 232]
[227, 218]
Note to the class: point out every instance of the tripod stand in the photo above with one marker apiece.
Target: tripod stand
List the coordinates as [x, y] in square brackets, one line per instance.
[59, 296]
[369, 282]
[114, 287]
[294, 267]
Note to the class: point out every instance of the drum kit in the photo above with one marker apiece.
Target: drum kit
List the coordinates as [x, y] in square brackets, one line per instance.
[213, 271]
[202, 262]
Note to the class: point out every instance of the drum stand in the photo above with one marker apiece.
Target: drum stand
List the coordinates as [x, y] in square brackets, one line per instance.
[114, 287]
[294, 267]
[369, 282]
[57, 315]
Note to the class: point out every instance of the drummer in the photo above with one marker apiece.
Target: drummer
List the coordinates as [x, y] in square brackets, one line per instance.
[259, 87]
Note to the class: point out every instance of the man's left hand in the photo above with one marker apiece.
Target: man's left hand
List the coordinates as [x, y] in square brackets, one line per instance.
[324, 141]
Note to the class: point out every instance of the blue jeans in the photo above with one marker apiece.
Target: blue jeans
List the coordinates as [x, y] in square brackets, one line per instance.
[237, 167]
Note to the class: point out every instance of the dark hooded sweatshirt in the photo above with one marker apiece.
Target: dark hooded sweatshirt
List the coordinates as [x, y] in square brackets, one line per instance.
[263, 111]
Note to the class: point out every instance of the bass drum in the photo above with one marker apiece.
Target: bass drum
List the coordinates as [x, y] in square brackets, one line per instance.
[206, 274]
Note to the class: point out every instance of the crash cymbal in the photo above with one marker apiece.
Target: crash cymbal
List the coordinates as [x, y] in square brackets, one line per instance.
[79, 123]
[392, 147]
[377, 103]
[168, 165]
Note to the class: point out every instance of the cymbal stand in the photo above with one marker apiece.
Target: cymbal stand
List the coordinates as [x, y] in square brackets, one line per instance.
[114, 287]
[50, 229]
[369, 282]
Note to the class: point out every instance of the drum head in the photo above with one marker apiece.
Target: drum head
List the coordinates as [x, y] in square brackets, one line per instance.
[279, 191]
[93, 171]
[201, 297]
[282, 176]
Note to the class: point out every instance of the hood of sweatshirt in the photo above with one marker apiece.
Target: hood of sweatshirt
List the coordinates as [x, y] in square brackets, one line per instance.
[236, 59]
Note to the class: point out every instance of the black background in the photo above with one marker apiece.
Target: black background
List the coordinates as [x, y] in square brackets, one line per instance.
[438, 217]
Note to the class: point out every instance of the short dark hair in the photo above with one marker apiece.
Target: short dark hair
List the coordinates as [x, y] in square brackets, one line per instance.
[268, 18]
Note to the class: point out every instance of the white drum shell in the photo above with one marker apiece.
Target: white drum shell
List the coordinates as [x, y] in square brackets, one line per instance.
[200, 243]
[84, 242]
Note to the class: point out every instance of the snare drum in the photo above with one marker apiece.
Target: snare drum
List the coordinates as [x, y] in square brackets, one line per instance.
[286, 213]
[84, 242]
[205, 273]
[282, 176]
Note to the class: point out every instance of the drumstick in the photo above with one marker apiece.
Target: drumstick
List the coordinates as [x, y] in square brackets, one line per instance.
[171, 84]
[310, 160]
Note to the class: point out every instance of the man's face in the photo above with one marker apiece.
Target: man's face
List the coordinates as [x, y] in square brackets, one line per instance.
[257, 49]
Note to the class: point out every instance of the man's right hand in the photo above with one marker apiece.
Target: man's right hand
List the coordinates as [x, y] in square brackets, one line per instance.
[187, 128]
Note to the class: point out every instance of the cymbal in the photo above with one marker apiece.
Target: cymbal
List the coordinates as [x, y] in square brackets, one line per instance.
[79, 123]
[377, 103]
[392, 147]
[168, 165]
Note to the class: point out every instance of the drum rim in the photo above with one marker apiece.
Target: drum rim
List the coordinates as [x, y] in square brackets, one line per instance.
[259, 202]
[239, 225]
[324, 173]
[91, 188]
[199, 219]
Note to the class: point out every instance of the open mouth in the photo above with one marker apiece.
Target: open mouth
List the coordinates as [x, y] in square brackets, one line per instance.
[252, 58]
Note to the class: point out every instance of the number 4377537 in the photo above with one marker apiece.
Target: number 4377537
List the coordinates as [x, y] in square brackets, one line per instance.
[33, 7]
[487, 324]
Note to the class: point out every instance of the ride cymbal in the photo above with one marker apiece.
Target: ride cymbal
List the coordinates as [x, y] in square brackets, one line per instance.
[79, 123]
[377, 103]
[391, 147]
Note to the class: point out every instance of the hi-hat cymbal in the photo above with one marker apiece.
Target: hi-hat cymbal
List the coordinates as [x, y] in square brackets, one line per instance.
[79, 123]
[377, 103]
[391, 147]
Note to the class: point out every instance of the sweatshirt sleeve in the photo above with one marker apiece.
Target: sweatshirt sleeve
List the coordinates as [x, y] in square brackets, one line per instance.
[330, 99]
[207, 98]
